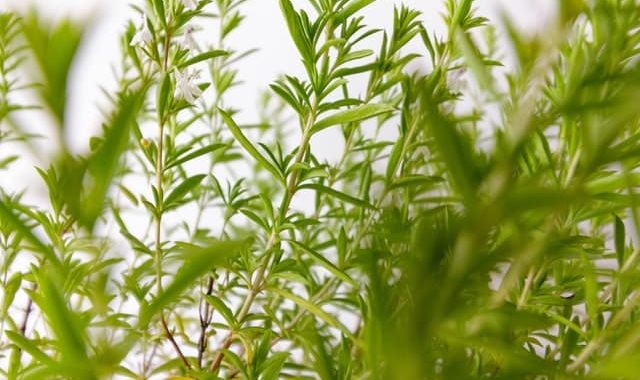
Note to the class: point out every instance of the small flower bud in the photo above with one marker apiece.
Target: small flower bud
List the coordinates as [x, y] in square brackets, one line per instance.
[188, 41]
[143, 35]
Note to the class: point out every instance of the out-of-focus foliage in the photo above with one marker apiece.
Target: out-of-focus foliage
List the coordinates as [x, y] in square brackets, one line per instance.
[494, 235]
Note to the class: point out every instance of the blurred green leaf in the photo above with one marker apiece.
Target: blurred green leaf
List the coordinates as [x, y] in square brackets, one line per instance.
[312, 308]
[13, 220]
[86, 202]
[337, 194]
[54, 49]
[197, 261]
[31, 348]
[67, 327]
[176, 196]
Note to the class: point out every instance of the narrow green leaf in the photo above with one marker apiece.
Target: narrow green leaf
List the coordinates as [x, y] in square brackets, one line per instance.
[415, 180]
[527, 197]
[568, 345]
[476, 62]
[176, 196]
[223, 309]
[5, 162]
[337, 194]
[592, 300]
[348, 102]
[312, 308]
[67, 326]
[394, 159]
[332, 43]
[287, 96]
[355, 114]
[163, 93]
[347, 71]
[255, 218]
[231, 24]
[322, 360]
[611, 182]
[203, 57]
[29, 347]
[341, 245]
[158, 6]
[454, 148]
[357, 55]
[317, 257]
[237, 362]
[272, 367]
[7, 215]
[87, 204]
[462, 11]
[127, 193]
[54, 49]
[195, 154]
[11, 287]
[172, 365]
[248, 146]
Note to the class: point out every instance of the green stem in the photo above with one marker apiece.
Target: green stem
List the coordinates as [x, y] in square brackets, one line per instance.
[158, 230]
[274, 238]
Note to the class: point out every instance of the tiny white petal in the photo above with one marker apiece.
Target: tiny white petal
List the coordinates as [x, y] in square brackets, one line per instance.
[188, 39]
[567, 294]
[190, 4]
[186, 87]
[143, 35]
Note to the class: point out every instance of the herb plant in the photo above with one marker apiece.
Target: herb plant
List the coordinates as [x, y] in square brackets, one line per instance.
[480, 220]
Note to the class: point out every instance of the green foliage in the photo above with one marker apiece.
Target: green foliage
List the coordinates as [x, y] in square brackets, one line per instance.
[480, 221]
[53, 49]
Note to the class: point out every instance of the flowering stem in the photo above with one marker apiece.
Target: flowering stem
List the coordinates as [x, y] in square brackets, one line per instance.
[160, 189]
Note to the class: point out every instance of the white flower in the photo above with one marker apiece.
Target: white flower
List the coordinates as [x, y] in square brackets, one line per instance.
[456, 80]
[143, 36]
[186, 87]
[190, 4]
[188, 40]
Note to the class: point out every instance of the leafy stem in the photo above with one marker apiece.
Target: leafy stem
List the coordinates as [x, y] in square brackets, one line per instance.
[256, 284]
[159, 255]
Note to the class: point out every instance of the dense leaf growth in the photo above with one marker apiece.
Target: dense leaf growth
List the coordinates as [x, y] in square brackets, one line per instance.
[480, 220]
